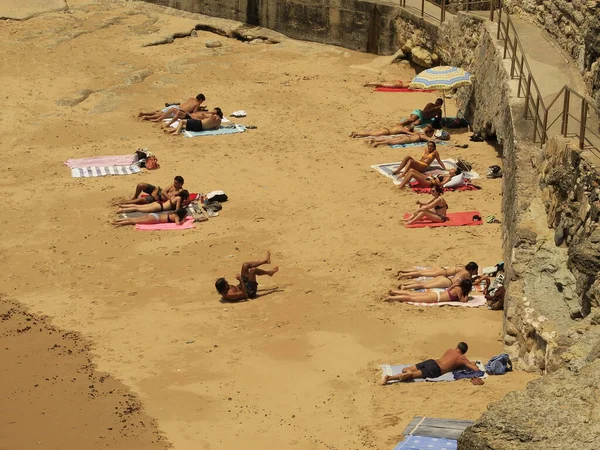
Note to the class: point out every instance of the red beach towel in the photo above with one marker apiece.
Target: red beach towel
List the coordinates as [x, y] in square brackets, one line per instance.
[455, 220]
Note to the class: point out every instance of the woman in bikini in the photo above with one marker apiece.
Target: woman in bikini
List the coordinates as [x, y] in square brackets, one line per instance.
[423, 164]
[173, 204]
[177, 217]
[434, 210]
[421, 136]
[456, 293]
[389, 84]
[444, 281]
[428, 182]
[383, 132]
[436, 271]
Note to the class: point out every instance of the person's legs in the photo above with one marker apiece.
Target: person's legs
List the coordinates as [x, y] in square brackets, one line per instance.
[408, 176]
[408, 373]
[168, 113]
[253, 264]
[413, 119]
[425, 214]
[180, 126]
[437, 282]
[403, 164]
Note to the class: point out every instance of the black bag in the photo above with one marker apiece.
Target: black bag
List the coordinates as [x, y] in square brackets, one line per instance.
[463, 165]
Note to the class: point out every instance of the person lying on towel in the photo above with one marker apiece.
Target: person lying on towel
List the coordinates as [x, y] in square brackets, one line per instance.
[383, 131]
[435, 272]
[429, 155]
[431, 111]
[389, 84]
[434, 210]
[189, 106]
[198, 115]
[452, 359]
[469, 272]
[173, 204]
[453, 177]
[177, 217]
[155, 193]
[426, 135]
[248, 285]
[210, 123]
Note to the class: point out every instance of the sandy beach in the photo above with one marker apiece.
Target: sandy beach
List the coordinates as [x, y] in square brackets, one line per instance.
[297, 367]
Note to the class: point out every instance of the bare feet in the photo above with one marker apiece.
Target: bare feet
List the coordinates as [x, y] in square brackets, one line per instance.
[385, 380]
[351, 134]
[268, 257]
[273, 271]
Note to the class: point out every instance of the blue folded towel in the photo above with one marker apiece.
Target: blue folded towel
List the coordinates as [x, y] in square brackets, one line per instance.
[238, 129]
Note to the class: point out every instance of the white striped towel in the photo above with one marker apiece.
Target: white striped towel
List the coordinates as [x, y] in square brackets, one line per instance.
[86, 172]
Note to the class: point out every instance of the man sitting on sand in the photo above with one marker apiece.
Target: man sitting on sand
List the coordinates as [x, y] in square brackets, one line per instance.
[155, 193]
[212, 122]
[453, 359]
[191, 105]
[198, 115]
[430, 111]
[248, 286]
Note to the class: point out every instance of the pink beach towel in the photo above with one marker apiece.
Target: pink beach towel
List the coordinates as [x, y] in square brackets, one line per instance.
[390, 89]
[186, 225]
[101, 161]
[455, 220]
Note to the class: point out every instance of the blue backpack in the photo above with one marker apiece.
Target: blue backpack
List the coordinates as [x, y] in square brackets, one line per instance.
[499, 365]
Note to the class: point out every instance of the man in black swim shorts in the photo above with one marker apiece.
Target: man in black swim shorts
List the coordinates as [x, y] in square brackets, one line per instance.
[154, 193]
[452, 359]
[248, 286]
[211, 122]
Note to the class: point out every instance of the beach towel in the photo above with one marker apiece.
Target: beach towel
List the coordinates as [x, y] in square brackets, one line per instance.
[186, 225]
[388, 168]
[101, 161]
[222, 130]
[387, 369]
[86, 172]
[423, 190]
[436, 428]
[475, 301]
[415, 144]
[426, 443]
[456, 219]
[395, 89]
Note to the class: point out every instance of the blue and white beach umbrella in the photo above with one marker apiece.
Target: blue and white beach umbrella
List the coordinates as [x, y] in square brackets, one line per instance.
[441, 78]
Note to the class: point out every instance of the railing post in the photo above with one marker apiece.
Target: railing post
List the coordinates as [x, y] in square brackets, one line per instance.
[422, 7]
[536, 116]
[520, 75]
[564, 129]
[527, 94]
[443, 15]
[505, 45]
[545, 124]
[499, 21]
[583, 123]
[468, 5]
[513, 58]
[492, 7]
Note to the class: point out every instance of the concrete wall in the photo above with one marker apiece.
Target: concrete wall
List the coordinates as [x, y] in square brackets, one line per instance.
[354, 24]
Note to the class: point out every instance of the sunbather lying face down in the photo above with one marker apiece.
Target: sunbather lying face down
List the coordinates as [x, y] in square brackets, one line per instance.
[390, 84]
[189, 106]
[247, 286]
[458, 292]
[408, 162]
[451, 360]
[428, 182]
[436, 271]
[174, 203]
[434, 210]
[383, 131]
[198, 115]
[419, 136]
[155, 193]
[468, 273]
[210, 123]
[177, 217]
[430, 111]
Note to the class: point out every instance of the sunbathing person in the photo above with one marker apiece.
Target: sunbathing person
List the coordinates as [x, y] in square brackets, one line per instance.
[434, 210]
[458, 292]
[210, 123]
[198, 115]
[419, 136]
[452, 359]
[177, 217]
[429, 182]
[189, 106]
[247, 286]
[155, 193]
[408, 162]
[383, 132]
[468, 273]
[430, 111]
[435, 272]
[173, 204]
[388, 84]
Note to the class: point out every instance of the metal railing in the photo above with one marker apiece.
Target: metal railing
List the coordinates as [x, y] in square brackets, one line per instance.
[436, 10]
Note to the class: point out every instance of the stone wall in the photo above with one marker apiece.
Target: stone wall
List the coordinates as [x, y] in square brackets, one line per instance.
[575, 26]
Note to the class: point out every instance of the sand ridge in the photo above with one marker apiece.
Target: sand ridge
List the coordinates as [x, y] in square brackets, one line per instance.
[298, 366]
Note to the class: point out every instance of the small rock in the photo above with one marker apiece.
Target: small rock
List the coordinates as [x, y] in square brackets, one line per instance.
[194, 33]
[256, 41]
[213, 44]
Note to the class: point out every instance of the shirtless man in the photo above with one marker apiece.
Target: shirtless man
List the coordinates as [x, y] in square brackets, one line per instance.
[198, 115]
[468, 273]
[210, 123]
[430, 111]
[191, 105]
[248, 286]
[155, 193]
[452, 359]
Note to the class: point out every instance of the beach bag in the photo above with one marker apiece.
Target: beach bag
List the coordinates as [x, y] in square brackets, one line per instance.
[495, 299]
[216, 196]
[499, 365]
[463, 165]
[442, 135]
[494, 172]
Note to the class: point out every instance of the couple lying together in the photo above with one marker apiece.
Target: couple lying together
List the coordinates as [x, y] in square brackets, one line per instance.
[192, 116]
[457, 282]
[171, 200]
[409, 135]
